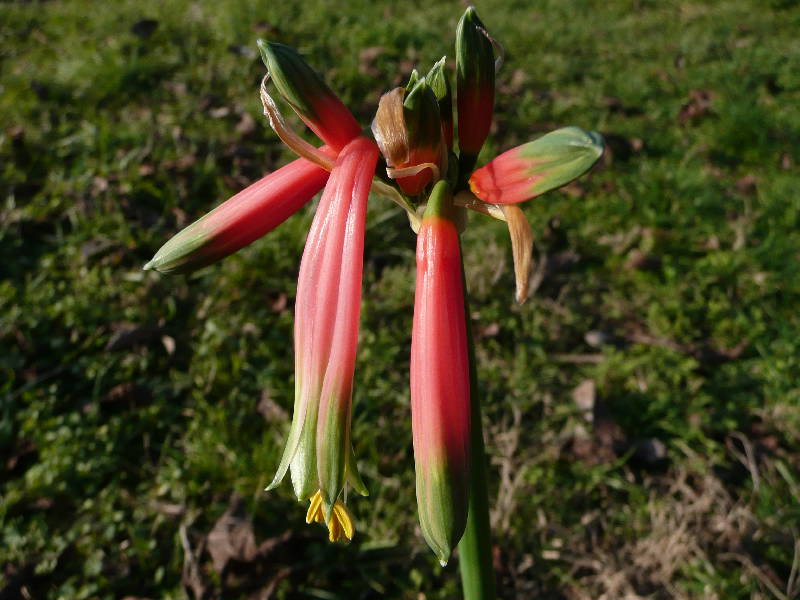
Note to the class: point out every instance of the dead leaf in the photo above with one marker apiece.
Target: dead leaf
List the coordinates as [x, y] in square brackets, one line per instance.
[747, 185]
[169, 344]
[280, 303]
[232, 536]
[127, 336]
[271, 410]
[574, 189]
[584, 397]
[697, 106]
[367, 59]
[219, 113]
[23, 455]
[521, 248]
[129, 392]
[640, 261]
[246, 125]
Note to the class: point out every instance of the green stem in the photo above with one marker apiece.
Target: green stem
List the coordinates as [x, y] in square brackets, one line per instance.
[475, 547]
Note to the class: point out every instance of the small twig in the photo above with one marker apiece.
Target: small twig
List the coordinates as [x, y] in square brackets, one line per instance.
[468, 200]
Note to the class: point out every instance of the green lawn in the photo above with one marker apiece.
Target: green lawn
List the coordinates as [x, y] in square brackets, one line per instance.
[642, 408]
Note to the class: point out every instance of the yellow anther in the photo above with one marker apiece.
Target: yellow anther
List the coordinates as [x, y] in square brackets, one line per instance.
[315, 509]
[342, 515]
[341, 523]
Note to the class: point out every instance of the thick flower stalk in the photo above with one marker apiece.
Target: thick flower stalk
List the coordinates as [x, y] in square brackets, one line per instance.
[318, 450]
[242, 219]
[440, 401]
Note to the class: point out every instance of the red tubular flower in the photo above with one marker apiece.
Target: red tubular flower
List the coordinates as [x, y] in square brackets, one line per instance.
[326, 334]
[440, 408]
[239, 221]
[537, 167]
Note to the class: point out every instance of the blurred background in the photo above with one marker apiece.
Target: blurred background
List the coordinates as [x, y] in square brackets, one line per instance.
[641, 409]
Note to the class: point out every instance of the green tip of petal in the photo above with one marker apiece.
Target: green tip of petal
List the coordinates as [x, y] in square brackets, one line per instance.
[262, 46]
[149, 266]
[437, 78]
[412, 79]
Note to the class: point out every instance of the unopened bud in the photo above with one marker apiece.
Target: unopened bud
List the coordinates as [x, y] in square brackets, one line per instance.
[408, 130]
[309, 95]
[537, 167]
[475, 68]
[242, 219]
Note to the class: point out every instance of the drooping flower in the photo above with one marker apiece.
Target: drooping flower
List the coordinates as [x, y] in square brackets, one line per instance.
[242, 219]
[440, 403]
[537, 167]
[318, 450]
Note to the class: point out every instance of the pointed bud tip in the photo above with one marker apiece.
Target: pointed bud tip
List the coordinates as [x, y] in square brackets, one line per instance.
[471, 11]
[149, 266]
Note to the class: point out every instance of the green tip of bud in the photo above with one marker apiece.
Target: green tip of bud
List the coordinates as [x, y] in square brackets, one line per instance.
[471, 16]
[437, 78]
[412, 79]
[443, 562]
[416, 94]
[422, 117]
[149, 266]
[567, 144]
[292, 75]
[297, 82]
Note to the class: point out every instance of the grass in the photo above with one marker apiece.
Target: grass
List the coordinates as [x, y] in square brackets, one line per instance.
[137, 408]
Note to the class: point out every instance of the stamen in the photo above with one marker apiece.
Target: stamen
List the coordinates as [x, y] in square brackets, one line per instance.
[315, 509]
[340, 524]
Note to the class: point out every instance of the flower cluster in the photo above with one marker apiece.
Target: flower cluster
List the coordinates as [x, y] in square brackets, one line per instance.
[430, 160]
